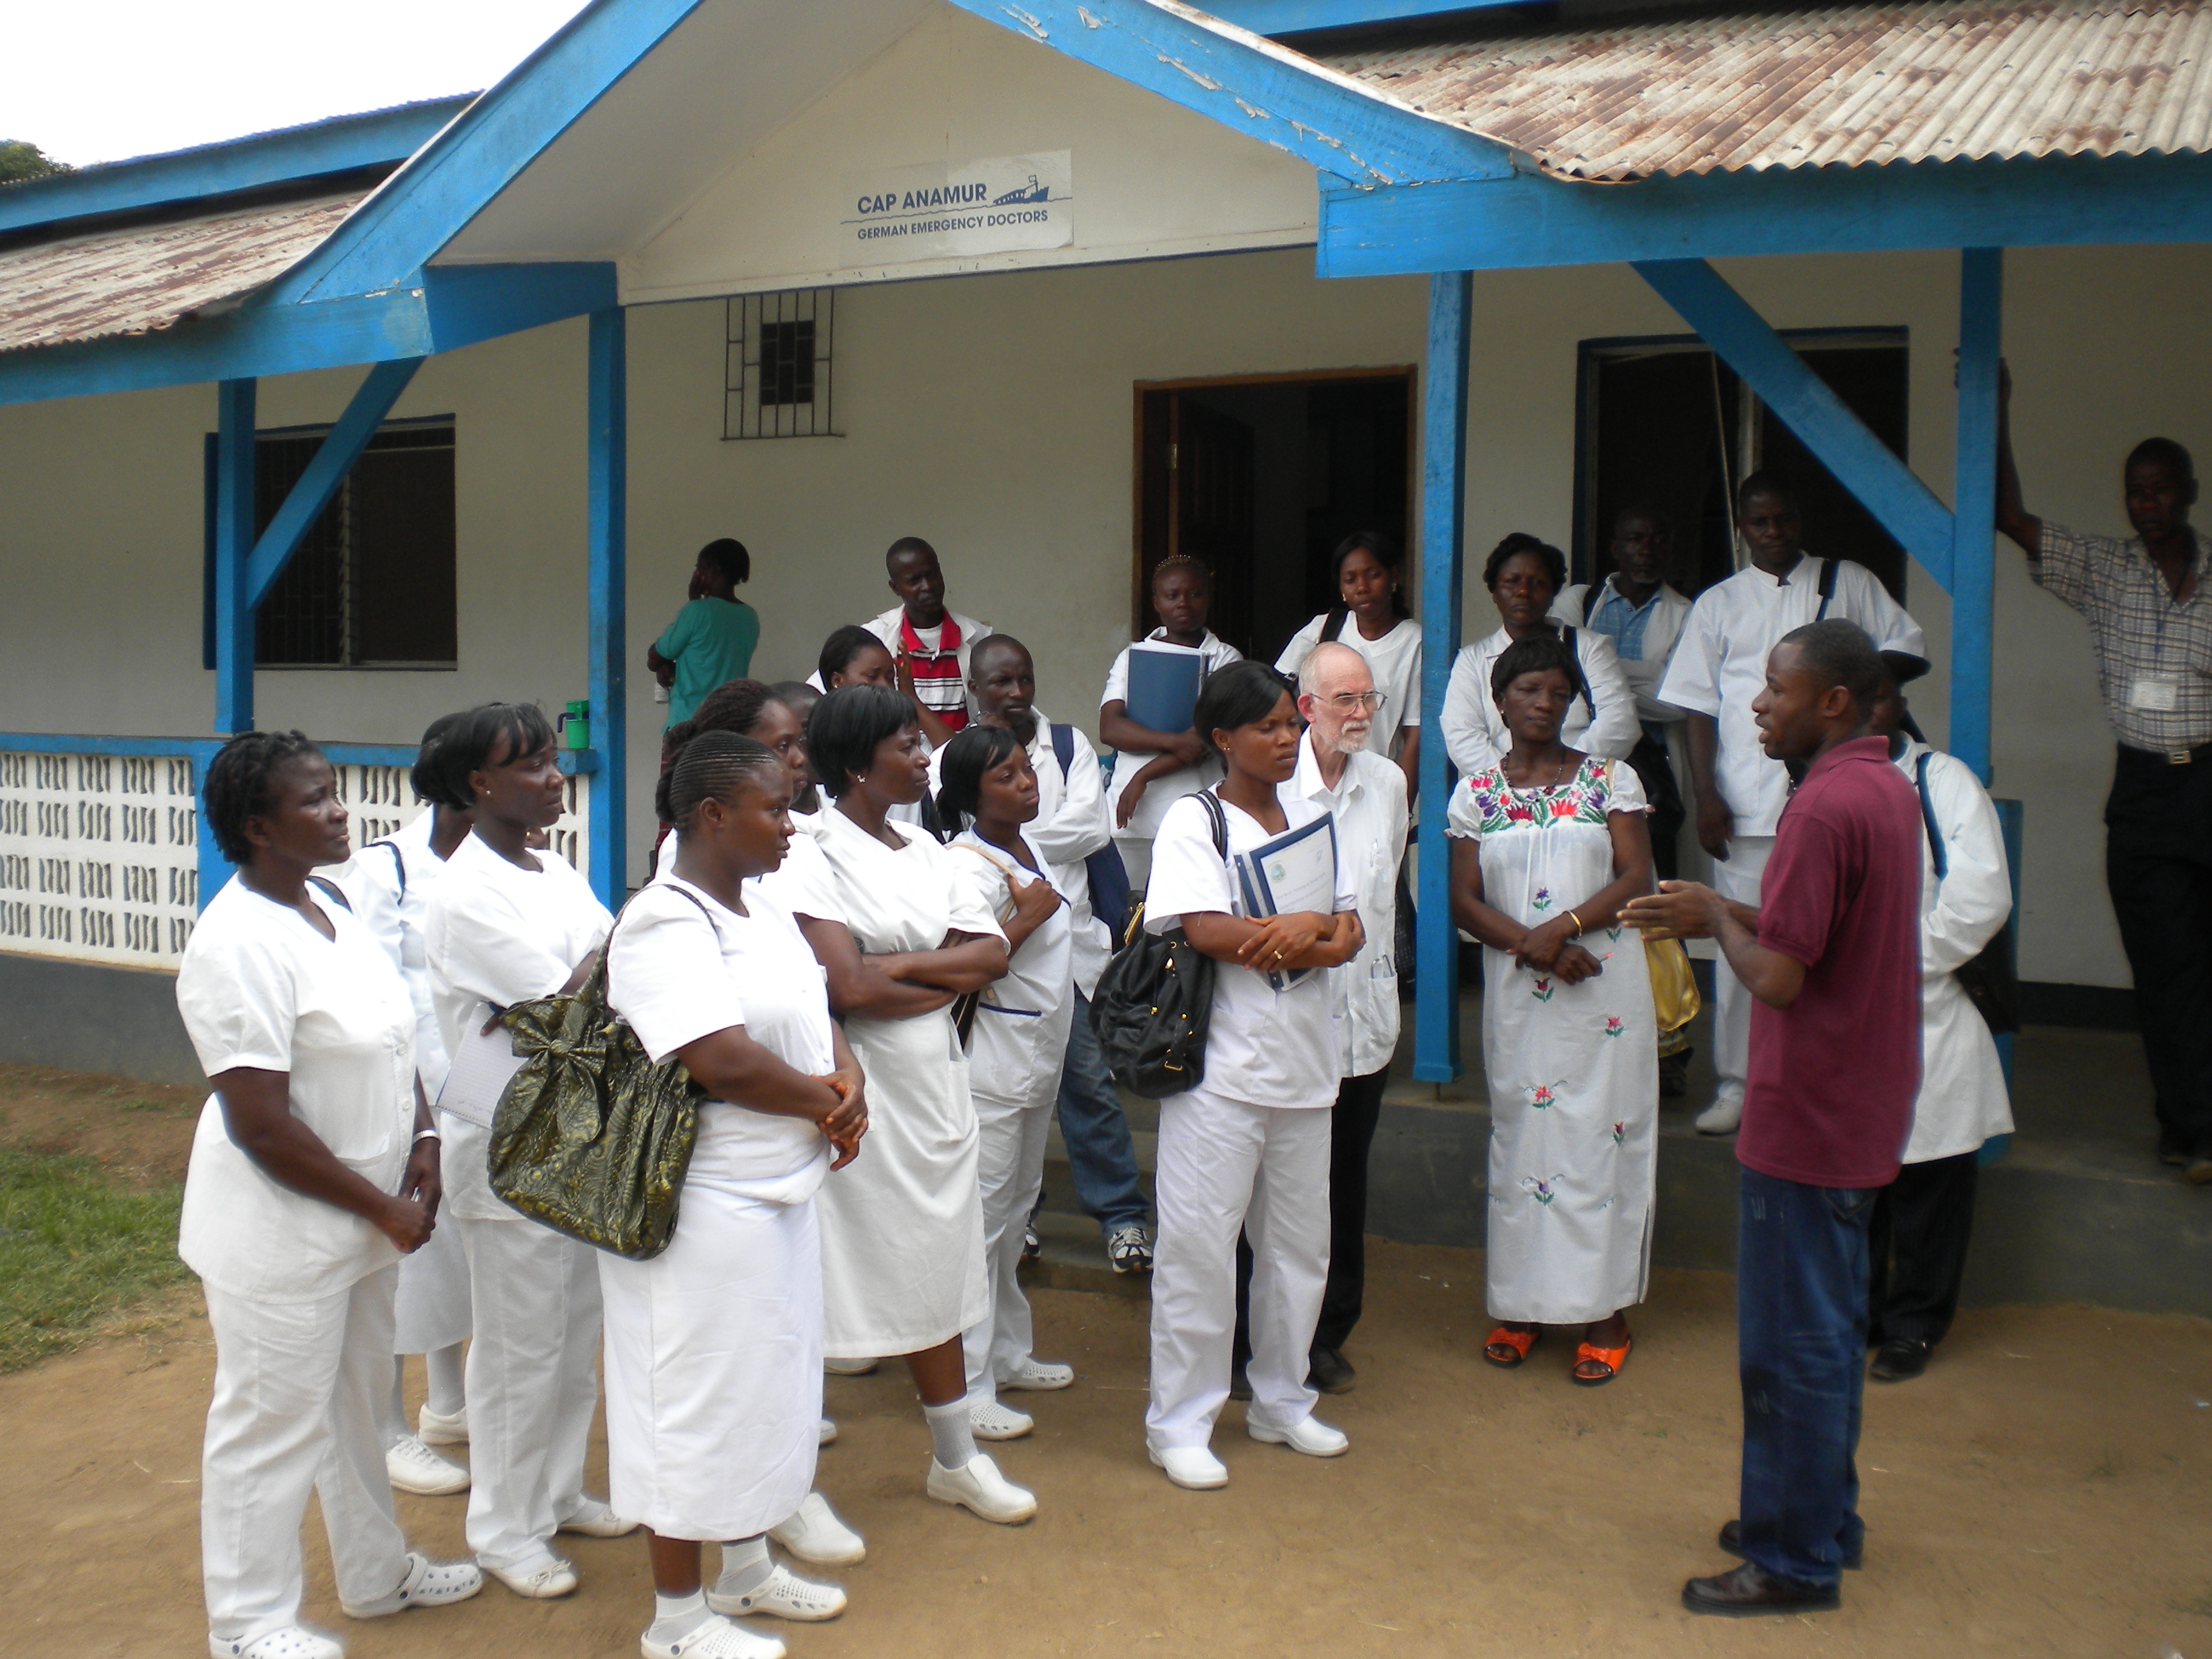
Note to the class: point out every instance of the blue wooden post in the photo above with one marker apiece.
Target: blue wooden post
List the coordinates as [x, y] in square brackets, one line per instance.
[1444, 528]
[1973, 504]
[607, 504]
[233, 545]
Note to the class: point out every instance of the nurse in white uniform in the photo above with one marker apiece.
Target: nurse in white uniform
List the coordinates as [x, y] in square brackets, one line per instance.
[1016, 1047]
[903, 1229]
[314, 1168]
[713, 1349]
[1248, 1148]
[389, 884]
[508, 924]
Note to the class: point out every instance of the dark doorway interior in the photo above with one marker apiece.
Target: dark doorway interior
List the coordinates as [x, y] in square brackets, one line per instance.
[1262, 478]
[1665, 424]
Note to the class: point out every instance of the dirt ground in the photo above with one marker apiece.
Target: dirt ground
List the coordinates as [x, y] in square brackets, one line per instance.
[2044, 1490]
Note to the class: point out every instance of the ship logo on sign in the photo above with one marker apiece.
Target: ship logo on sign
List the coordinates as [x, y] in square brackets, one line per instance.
[1035, 192]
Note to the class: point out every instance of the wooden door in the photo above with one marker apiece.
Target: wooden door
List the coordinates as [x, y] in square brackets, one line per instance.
[1210, 506]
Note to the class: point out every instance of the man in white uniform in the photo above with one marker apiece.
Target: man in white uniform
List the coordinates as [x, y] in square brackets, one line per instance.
[1719, 666]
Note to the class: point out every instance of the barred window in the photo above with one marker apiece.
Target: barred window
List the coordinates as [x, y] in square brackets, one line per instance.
[777, 379]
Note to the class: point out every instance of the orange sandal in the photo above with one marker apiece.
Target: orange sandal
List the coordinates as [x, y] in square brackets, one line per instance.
[1612, 1358]
[1519, 1341]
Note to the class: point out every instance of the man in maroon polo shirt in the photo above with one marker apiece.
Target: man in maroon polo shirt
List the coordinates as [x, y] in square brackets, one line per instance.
[1832, 957]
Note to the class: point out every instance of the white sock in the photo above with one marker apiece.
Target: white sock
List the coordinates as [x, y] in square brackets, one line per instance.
[745, 1566]
[951, 1434]
[446, 1368]
[677, 1616]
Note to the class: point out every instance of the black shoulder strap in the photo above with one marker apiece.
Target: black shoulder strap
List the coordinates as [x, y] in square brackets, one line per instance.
[1827, 588]
[1928, 815]
[1589, 600]
[1063, 748]
[1333, 627]
[1575, 650]
[330, 889]
[398, 862]
[1218, 820]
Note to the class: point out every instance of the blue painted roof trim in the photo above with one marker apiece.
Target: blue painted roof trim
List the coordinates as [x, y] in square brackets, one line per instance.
[343, 144]
[442, 309]
[1278, 17]
[1320, 117]
[1528, 220]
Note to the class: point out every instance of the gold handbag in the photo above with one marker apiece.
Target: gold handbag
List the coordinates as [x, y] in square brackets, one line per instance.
[1674, 998]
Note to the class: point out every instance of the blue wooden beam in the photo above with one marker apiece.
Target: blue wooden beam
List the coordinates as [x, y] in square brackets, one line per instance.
[1444, 529]
[334, 457]
[1803, 402]
[606, 512]
[234, 544]
[1513, 223]
[441, 309]
[1252, 87]
[1275, 17]
[1974, 501]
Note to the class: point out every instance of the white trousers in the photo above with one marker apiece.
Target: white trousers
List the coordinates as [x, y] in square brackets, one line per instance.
[1224, 1164]
[300, 1388]
[1737, 879]
[535, 1298]
[1011, 1169]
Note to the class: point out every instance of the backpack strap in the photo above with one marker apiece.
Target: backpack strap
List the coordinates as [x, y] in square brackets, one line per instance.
[1063, 748]
[1332, 629]
[398, 864]
[1218, 820]
[1827, 588]
[1575, 650]
[330, 889]
[1928, 815]
[1589, 600]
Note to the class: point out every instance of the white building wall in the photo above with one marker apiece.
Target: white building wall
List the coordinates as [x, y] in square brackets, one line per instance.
[993, 414]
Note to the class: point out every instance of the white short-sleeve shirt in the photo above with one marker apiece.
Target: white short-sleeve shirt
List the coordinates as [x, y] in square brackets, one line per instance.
[260, 988]
[1019, 1040]
[1263, 1047]
[1165, 791]
[495, 933]
[681, 967]
[1394, 661]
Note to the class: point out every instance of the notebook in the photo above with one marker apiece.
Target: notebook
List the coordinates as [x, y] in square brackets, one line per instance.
[1164, 682]
[1295, 870]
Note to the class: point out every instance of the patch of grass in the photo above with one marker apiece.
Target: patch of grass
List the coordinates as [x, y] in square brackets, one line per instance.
[76, 1248]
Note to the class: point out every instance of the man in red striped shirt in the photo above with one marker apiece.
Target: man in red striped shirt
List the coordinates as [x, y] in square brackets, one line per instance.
[929, 643]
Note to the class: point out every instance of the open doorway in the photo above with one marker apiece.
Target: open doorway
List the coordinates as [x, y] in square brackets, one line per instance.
[1262, 476]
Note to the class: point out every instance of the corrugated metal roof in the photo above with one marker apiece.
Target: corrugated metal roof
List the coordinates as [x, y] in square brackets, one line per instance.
[1853, 86]
[140, 278]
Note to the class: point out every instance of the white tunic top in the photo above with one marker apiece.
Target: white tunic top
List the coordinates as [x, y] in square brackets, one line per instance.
[1019, 1040]
[1720, 665]
[390, 882]
[1263, 1047]
[1394, 661]
[1165, 791]
[1962, 1100]
[1368, 805]
[1666, 613]
[1603, 723]
[260, 988]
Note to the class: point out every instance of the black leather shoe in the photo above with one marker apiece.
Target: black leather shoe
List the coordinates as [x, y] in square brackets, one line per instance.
[1330, 1372]
[1732, 1544]
[1901, 1359]
[1750, 1589]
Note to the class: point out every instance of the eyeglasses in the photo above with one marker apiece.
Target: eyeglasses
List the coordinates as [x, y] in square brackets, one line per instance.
[1356, 702]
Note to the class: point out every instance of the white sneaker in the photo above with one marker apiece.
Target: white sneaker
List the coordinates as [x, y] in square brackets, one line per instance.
[718, 1638]
[979, 1489]
[428, 1584]
[432, 1429]
[848, 1367]
[554, 1579]
[817, 1536]
[1040, 1375]
[1309, 1434]
[826, 1434]
[598, 1519]
[999, 1422]
[292, 1642]
[786, 1595]
[1193, 1467]
[1721, 1117]
[413, 1467]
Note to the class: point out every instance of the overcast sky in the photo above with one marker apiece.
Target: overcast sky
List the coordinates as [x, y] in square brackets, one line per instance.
[99, 80]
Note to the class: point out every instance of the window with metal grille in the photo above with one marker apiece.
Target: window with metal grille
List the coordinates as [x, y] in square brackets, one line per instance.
[777, 381]
[371, 583]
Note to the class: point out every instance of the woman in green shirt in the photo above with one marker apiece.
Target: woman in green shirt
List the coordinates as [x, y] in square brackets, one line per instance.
[712, 637]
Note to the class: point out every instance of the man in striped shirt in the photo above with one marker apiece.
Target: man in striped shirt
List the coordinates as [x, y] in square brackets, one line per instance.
[2150, 625]
[928, 643]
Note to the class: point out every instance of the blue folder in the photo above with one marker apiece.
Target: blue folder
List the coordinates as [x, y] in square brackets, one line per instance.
[1164, 682]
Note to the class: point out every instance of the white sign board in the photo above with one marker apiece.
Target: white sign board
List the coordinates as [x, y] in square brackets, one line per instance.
[950, 210]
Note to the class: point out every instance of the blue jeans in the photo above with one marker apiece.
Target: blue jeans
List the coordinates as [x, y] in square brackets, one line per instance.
[1100, 1155]
[1801, 1264]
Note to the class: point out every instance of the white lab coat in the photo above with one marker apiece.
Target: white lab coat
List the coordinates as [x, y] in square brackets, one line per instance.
[1602, 724]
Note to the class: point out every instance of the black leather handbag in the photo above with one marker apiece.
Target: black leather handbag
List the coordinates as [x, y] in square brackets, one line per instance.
[1155, 1000]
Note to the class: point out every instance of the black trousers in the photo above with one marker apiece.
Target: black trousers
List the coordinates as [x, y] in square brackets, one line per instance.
[1352, 1131]
[1917, 1242]
[2158, 865]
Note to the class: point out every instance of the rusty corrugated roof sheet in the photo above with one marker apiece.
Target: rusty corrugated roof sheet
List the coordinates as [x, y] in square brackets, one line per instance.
[1853, 86]
[139, 278]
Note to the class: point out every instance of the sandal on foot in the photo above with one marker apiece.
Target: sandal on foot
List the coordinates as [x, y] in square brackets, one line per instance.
[1519, 1341]
[1612, 1358]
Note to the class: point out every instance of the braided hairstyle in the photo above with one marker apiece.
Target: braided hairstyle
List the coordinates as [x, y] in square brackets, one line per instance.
[974, 751]
[1183, 562]
[733, 705]
[237, 785]
[710, 767]
[428, 784]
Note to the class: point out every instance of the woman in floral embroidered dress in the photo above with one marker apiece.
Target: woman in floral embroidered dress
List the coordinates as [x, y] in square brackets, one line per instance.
[1550, 843]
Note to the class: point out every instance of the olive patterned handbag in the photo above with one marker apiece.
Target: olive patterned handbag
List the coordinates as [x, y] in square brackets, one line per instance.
[591, 1138]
